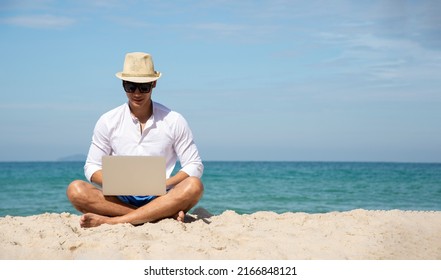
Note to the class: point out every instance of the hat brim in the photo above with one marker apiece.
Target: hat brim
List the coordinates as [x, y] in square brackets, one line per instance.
[138, 79]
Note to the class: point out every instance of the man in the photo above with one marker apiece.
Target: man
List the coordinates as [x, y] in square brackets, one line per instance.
[139, 127]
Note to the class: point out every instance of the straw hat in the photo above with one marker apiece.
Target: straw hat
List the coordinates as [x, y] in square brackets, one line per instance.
[138, 68]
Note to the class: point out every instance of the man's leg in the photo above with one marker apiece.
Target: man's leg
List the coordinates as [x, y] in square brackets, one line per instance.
[175, 203]
[86, 198]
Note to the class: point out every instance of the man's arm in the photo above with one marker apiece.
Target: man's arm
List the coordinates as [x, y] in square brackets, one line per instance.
[191, 163]
[176, 179]
[99, 147]
[97, 178]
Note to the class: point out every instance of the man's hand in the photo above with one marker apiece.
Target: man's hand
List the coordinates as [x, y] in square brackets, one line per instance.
[173, 181]
[97, 178]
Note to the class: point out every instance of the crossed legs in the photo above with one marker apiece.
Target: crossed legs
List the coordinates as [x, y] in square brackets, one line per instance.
[100, 209]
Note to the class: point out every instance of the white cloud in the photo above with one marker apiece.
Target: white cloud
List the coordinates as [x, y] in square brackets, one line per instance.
[26, 4]
[40, 21]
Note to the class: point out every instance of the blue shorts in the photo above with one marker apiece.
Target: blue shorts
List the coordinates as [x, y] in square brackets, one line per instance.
[136, 201]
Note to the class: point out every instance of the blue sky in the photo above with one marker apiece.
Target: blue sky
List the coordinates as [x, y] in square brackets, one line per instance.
[256, 80]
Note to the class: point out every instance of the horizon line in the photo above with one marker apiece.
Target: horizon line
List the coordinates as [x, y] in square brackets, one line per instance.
[248, 160]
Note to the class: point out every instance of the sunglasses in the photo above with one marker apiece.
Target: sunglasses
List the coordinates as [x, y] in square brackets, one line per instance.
[131, 87]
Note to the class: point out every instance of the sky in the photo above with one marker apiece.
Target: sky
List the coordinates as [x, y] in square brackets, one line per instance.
[256, 80]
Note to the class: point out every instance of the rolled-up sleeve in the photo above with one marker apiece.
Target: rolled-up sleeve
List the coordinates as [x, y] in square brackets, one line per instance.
[186, 149]
[99, 147]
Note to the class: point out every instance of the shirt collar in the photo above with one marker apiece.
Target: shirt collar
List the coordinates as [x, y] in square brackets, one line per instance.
[149, 122]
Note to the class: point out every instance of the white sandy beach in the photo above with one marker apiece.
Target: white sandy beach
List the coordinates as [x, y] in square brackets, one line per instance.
[357, 234]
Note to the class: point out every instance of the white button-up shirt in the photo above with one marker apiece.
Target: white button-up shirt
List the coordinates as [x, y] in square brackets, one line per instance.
[166, 134]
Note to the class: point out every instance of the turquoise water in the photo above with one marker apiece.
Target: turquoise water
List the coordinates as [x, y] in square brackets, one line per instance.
[246, 187]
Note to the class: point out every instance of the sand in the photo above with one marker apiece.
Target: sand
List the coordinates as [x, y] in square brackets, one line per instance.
[354, 235]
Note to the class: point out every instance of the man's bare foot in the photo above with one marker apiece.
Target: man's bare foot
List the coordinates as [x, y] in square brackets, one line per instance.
[93, 220]
[180, 216]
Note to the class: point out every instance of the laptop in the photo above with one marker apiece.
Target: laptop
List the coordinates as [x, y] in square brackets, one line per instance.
[134, 175]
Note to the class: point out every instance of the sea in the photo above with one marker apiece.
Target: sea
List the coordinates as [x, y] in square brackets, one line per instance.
[32, 188]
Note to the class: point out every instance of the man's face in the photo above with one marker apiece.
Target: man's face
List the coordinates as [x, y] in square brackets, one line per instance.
[139, 94]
